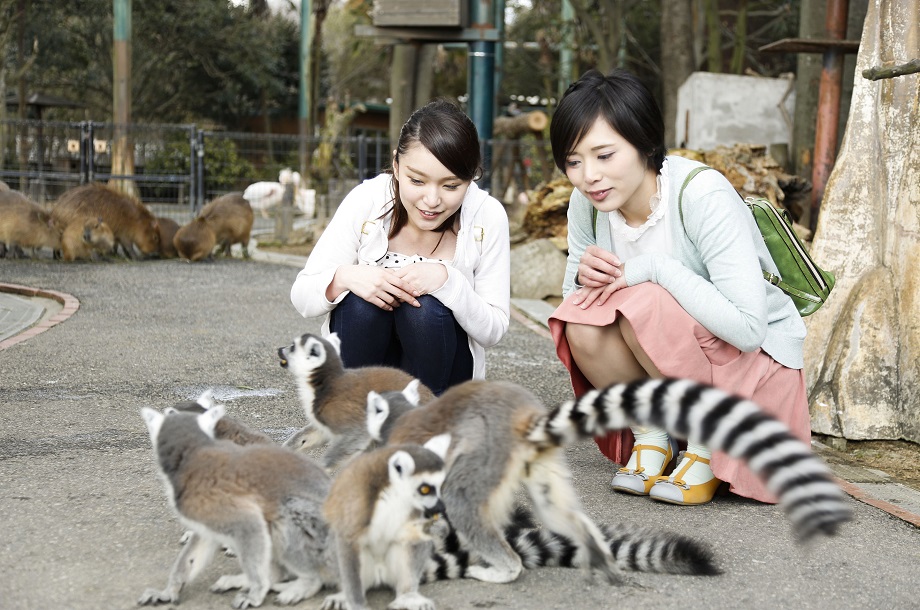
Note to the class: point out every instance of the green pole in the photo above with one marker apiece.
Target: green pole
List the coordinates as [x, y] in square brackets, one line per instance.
[482, 81]
[499, 48]
[306, 81]
[122, 154]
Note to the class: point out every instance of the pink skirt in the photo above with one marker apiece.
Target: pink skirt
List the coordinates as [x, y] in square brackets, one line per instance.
[680, 347]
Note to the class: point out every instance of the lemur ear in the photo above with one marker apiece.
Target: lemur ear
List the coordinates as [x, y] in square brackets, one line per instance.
[411, 392]
[401, 466]
[314, 348]
[333, 338]
[206, 400]
[208, 420]
[153, 420]
[378, 410]
[439, 445]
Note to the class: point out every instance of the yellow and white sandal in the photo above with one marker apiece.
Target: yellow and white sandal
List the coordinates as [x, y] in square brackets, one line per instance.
[637, 481]
[674, 490]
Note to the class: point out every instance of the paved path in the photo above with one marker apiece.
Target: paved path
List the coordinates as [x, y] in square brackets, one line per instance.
[85, 523]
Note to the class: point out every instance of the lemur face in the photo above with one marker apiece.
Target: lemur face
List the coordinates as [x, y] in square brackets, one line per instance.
[307, 353]
[420, 488]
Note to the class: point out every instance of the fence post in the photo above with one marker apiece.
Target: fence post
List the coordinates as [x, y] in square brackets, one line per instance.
[192, 163]
[91, 153]
[199, 203]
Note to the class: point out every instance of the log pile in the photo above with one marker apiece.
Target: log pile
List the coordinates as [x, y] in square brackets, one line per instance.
[749, 168]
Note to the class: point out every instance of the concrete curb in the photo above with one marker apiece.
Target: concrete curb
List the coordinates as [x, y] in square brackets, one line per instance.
[69, 304]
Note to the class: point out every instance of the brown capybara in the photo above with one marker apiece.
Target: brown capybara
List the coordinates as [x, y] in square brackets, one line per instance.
[230, 217]
[132, 223]
[195, 240]
[87, 239]
[168, 228]
[24, 224]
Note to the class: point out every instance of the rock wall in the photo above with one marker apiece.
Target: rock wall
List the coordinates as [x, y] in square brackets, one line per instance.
[862, 353]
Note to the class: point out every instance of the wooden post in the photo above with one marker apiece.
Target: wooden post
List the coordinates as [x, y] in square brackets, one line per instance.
[122, 150]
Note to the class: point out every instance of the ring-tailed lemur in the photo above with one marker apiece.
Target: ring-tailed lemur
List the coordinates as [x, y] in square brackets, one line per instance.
[489, 458]
[501, 433]
[723, 422]
[635, 549]
[334, 398]
[262, 501]
[227, 428]
[382, 508]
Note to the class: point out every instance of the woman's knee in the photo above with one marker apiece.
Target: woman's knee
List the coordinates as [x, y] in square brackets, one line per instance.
[590, 340]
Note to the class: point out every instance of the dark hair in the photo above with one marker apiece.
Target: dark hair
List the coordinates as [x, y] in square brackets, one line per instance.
[448, 134]
[624, 102]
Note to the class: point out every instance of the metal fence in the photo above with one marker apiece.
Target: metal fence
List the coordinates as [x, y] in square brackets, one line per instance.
[178, 168]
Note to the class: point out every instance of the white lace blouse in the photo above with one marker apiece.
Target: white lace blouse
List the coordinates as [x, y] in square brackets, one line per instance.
[654, 235]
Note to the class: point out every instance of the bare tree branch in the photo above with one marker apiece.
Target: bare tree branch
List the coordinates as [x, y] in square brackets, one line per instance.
[878, 72]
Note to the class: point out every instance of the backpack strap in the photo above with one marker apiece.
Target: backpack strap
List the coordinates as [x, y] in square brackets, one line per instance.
[680, 199]
[680, 196]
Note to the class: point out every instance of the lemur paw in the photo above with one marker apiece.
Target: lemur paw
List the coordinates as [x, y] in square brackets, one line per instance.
[155, 596]
[229, 582]
[337, 601]
[411, 601]
[247, 600]
[297, 590]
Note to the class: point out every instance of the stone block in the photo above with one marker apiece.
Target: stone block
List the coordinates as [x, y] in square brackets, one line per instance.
[537, 270]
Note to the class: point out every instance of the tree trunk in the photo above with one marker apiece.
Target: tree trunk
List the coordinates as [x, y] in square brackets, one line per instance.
[862, 353]
[808, 75]
[714, 36]
[676, 59]
[737, 65]
[402, 88]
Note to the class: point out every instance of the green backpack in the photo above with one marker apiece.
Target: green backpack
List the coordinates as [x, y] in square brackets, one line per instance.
[799, 277]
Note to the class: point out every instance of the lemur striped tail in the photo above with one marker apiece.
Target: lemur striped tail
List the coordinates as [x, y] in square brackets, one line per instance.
[635, 549]
[723, 422]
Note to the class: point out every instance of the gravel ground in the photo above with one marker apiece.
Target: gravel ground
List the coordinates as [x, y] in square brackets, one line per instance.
[86, 525]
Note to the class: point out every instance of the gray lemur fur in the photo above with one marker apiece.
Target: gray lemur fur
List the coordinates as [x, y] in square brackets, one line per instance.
[489, 458]
[384, 507]
[261, 500]
[334, 397]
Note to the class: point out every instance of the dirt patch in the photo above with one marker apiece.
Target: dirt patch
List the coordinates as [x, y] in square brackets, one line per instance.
[898, 459]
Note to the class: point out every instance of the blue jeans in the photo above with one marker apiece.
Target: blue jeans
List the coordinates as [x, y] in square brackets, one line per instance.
[426, 342]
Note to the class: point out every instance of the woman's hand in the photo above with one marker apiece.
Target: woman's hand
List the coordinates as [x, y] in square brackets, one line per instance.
[424, 278]
[376, 285]
[600, 274]
[585, 297]
[598, 267]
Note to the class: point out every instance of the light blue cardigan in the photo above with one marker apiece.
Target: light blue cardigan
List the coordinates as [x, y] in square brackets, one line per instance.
[714, 271]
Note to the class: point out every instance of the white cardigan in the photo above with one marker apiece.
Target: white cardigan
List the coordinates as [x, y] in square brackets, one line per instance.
[478, 286]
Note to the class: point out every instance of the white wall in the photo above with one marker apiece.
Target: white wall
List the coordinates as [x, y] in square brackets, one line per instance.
[726, 109]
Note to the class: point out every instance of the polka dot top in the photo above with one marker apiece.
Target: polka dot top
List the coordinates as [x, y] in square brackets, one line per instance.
[395, 260]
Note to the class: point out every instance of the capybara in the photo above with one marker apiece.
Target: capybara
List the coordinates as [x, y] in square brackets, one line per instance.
[195, 240]
[132, 223]
[230, 217]
[86, 239]
[24, 224]
[168, 228]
